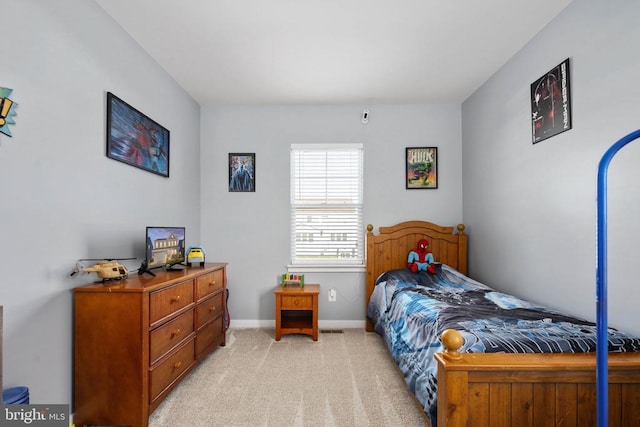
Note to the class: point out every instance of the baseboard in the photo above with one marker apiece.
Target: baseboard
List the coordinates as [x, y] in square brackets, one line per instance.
[341, 324]
[322, 324]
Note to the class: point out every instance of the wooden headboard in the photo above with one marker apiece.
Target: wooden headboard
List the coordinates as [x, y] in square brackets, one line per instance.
[390, 247]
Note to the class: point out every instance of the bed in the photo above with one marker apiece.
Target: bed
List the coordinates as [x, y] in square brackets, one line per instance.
[473, 356]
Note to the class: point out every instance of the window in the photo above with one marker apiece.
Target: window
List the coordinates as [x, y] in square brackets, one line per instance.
[326, 205]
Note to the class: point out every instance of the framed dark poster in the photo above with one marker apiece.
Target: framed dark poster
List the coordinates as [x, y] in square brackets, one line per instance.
[551, 103]
[242, 172]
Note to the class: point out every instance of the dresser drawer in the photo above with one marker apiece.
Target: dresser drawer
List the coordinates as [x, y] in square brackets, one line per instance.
[209, 334]
[169, 335]
[165, 373]
[169, 300]
[209, 309]
[209, 283]
[297, 302]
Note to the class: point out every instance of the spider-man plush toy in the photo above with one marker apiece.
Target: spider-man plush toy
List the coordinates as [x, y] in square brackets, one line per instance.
[421, 259]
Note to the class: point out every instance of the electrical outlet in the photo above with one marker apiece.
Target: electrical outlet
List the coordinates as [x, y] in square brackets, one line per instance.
[332, 295]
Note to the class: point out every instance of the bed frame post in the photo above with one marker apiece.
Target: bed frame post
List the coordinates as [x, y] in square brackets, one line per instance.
[453, 386]
[369, 279]
[462, 250]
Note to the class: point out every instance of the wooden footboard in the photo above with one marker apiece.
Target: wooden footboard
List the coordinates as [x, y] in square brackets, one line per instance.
[495, 389]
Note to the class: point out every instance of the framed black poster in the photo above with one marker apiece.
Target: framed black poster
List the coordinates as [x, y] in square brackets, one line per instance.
[242, 172]
[551, 103]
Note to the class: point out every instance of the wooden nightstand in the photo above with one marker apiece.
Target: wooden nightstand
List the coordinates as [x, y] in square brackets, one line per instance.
[297, 310]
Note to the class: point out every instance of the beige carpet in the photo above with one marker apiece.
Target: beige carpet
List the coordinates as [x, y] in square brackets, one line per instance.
[343, 379]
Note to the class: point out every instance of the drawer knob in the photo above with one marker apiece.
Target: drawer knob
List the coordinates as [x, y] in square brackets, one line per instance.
[175, 299]
[212, 308]
[177, 365]
[295, 302]
[176, 332]
[212, 283]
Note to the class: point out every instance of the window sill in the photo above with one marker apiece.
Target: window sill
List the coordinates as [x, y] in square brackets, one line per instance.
[311, 268]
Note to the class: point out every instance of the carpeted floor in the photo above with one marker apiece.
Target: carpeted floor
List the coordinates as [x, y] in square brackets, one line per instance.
[343, 379]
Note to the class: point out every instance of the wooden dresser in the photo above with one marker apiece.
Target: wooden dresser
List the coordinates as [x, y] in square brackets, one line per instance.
[136, 339]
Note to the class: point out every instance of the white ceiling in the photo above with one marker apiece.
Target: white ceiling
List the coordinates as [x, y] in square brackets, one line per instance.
[331, 51]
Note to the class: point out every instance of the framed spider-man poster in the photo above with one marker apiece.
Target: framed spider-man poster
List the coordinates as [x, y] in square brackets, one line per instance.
[135, 139]
[551, 103]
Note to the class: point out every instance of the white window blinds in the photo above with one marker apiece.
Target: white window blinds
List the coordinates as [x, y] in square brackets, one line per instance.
[326, 204]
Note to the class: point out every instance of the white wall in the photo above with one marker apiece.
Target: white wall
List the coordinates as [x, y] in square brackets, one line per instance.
[531, 209]
[61, 198]
[251, 230]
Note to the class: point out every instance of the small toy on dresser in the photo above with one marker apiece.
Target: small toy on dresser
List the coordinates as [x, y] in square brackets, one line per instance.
[293, 279]
[195, 254]
[108, 270]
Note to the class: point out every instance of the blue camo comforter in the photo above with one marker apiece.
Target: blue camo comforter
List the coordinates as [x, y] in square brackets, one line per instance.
[411, 310]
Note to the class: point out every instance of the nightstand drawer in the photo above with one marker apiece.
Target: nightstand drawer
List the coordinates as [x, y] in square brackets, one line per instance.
[209, 283]
[297, 302]
[169, 300]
